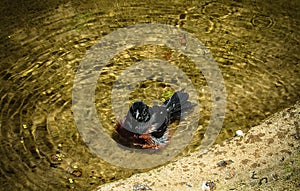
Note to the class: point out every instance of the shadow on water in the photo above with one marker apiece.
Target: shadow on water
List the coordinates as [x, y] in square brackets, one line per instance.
[255, 43]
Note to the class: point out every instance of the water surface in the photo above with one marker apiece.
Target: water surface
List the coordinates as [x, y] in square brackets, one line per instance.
[255, 43]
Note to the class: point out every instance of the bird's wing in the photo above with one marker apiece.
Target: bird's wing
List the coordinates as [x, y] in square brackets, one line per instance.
[178, 105]
[159, 121]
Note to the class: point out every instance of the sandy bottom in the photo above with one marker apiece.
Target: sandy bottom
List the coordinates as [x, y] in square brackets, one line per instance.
[265, 158]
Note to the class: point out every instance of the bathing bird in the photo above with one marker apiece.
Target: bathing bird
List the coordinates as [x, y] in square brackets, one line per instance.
[148, 127]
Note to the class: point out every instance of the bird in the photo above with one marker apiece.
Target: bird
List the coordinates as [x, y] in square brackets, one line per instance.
[148, 127]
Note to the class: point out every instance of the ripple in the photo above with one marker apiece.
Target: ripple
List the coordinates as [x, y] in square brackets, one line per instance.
[217, 10]
[262, 22]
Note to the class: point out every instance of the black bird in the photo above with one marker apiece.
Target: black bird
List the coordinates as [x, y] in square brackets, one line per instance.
[147, 127]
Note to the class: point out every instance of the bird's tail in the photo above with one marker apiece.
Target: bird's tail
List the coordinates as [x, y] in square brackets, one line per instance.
[178, 105]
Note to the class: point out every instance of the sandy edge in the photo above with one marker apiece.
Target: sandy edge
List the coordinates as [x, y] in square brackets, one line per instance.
[265, 158]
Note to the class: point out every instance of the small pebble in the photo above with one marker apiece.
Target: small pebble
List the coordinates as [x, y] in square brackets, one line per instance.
[263, 180]
[77, 172]
[140, 186]
[254, 175]
[275, 176]
[239, 133]
[224, 163]
[71, 181]
[208, 186]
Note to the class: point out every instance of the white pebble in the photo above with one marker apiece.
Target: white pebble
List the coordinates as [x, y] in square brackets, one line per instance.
[205, 186]
[239, 133]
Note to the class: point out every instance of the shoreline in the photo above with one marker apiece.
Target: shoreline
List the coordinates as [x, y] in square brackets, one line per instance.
[267, 157]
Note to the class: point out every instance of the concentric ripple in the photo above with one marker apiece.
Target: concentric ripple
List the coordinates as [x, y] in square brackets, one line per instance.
[256, 46]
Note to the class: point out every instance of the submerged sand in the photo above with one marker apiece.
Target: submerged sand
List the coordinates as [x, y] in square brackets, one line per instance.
[265, 158]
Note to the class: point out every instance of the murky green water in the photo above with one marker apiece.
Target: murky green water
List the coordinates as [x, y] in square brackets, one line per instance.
[255, 43]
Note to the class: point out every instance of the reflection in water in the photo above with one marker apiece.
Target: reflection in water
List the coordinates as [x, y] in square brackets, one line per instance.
[42, 43]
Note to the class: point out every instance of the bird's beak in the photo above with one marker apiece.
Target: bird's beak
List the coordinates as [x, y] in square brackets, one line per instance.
[137, 114]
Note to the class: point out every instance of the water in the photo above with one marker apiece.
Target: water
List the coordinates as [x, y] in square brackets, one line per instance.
[255, 43]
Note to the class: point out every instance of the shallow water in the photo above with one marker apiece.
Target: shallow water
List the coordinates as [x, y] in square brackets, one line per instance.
[255, 43]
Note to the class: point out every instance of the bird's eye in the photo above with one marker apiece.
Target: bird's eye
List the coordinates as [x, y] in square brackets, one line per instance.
[145, 113]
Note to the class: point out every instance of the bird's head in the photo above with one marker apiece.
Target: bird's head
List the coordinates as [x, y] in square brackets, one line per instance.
[140, 111]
